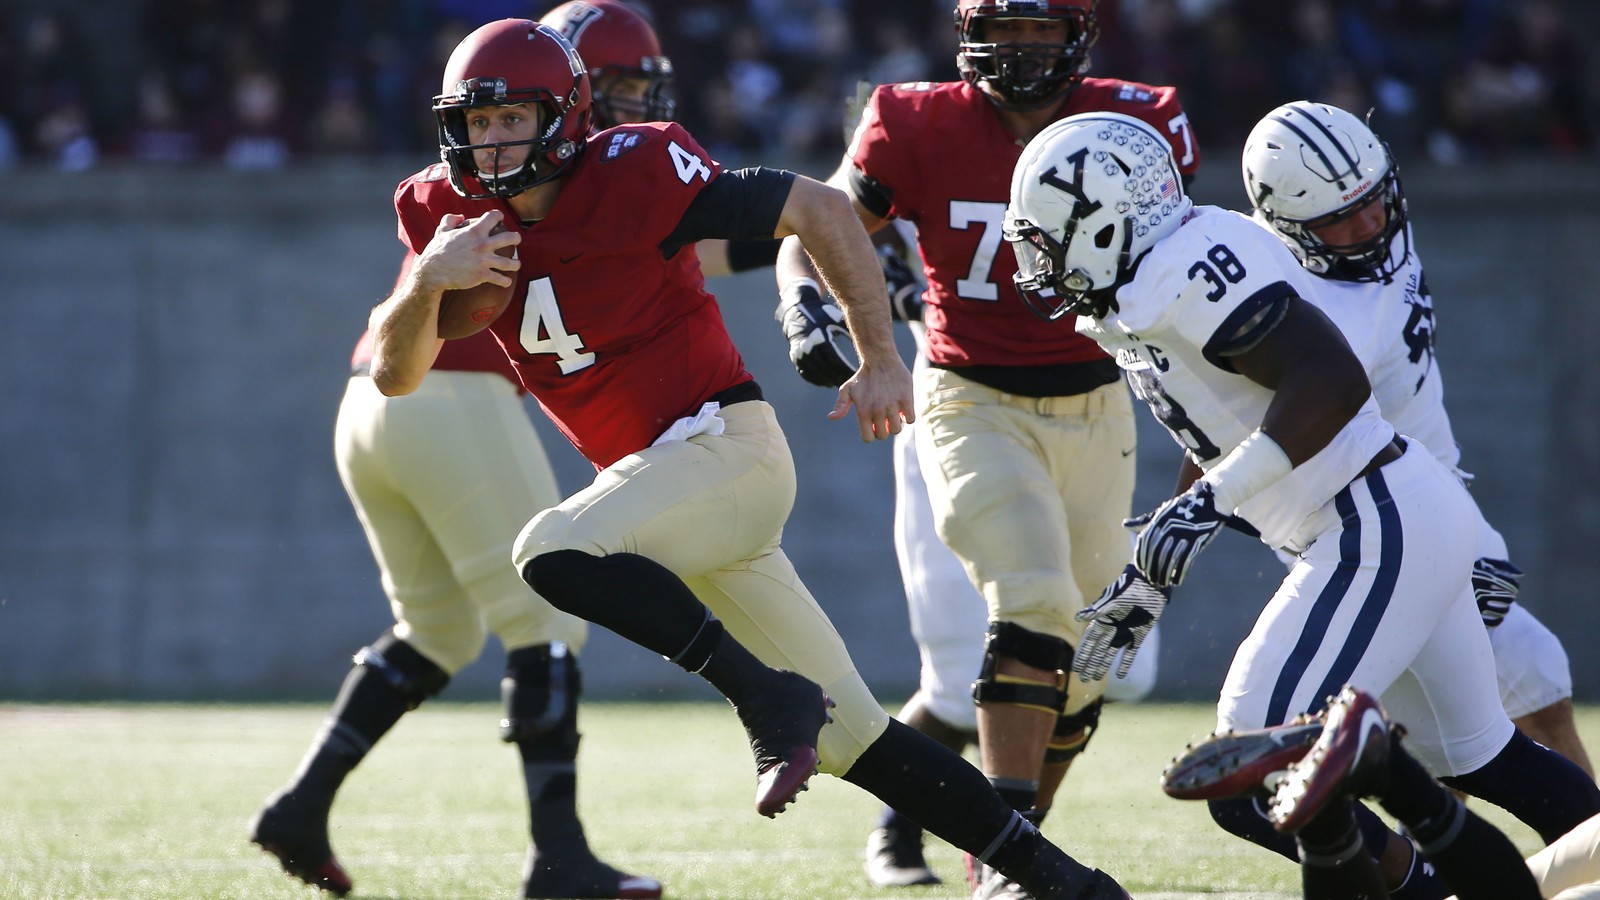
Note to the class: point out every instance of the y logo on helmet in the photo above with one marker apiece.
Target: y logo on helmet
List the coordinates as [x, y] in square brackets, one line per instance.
[1083, 206]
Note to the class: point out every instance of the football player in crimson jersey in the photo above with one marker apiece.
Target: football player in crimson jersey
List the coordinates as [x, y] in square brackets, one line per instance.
[441, 480]
[629, 79]
[1206, 311]
[612, 331]
[1026, 440]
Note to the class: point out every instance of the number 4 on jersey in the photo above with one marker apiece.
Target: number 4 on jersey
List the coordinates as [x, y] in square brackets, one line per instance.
[541, 313]
[687, 164]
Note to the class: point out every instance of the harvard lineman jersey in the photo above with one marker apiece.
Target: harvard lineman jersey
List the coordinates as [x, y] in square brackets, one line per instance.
[1389, 325]
[1195, 290]
[615, 339]
[940, 151]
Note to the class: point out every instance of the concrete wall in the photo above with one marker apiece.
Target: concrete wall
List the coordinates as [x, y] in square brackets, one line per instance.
[173, 348]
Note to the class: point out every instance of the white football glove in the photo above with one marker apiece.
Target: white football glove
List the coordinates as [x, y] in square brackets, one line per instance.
[1122, 617]
[1175, 534]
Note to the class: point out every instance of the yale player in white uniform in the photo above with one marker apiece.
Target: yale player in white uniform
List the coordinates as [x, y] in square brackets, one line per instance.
[1203, 310]
[1328, 188]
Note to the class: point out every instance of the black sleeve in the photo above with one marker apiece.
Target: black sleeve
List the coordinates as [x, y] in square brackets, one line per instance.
[870, 192]
[739, 205]
[746, 255]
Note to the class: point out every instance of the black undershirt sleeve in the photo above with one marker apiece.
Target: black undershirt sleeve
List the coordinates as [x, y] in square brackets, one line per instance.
[746, 255]
[739, 205]
[871, 193]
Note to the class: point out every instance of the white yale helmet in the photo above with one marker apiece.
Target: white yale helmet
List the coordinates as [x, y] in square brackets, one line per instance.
[1090, 196]
[1309, 165]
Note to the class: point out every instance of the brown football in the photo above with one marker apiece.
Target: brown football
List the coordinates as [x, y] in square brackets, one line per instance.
[468, 311]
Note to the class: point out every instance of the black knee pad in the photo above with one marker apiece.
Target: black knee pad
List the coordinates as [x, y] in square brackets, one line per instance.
[412, 675]
[1072, 734]
[1041, 651]
[540, 694]
[561, 577]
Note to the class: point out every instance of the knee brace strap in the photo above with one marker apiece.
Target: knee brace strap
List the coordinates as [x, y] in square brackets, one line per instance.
[412, 675]
[1040, 651]
[1072, 733]
[540, 696]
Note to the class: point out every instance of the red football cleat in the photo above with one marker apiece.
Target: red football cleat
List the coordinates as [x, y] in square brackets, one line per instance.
[1238, 762]
[1349, 759]
[782, 725]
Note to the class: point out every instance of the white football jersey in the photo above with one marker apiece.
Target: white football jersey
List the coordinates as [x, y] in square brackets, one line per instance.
[1218, 276]
[1390, 327]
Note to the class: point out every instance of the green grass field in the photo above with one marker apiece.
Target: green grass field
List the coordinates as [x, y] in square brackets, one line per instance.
[136, 801]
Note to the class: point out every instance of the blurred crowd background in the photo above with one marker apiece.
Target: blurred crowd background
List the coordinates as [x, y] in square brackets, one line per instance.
[263, 84]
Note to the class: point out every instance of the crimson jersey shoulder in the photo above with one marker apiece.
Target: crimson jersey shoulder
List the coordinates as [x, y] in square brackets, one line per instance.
[628, 146]
[911, 103]
[1155, 104]
[422, 199]
[660, 161]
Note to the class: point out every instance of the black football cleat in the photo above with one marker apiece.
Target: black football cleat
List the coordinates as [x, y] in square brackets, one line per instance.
[1233, 763]
[894, 859]
[583, 876]
[782, 722]
[301, 846]
[1349, 759]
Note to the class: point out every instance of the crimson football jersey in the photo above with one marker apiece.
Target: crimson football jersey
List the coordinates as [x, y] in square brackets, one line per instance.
[613, 338]
[941, 152]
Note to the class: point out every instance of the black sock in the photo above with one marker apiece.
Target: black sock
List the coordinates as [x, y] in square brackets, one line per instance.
[944, 793]
[553, 807]
[894, 820]
[1334, 862]
[1476, 859]
[1021, 793]
[1543, 789]
[367, 707]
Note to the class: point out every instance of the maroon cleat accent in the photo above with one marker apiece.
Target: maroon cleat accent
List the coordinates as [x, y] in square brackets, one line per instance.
[1238, 762]
[782, 722]
[325, 874]
[777, 784]
[300, 842]
[1350, 758]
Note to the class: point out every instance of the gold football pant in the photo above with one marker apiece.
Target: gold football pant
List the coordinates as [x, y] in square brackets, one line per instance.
[1030, 494]
[711, 509]
[442, 479]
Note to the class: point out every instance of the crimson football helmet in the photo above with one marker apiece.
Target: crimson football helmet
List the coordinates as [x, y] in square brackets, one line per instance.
[1024, 76]
[615, 40]
[505, 63]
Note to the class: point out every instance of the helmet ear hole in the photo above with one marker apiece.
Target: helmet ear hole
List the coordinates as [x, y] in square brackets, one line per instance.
[1104, 237]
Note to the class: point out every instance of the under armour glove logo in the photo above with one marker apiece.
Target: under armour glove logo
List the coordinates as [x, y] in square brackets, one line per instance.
[905, 291]
[815, 329]
[1122, 617]
[1176, 533]
[1495, 582]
